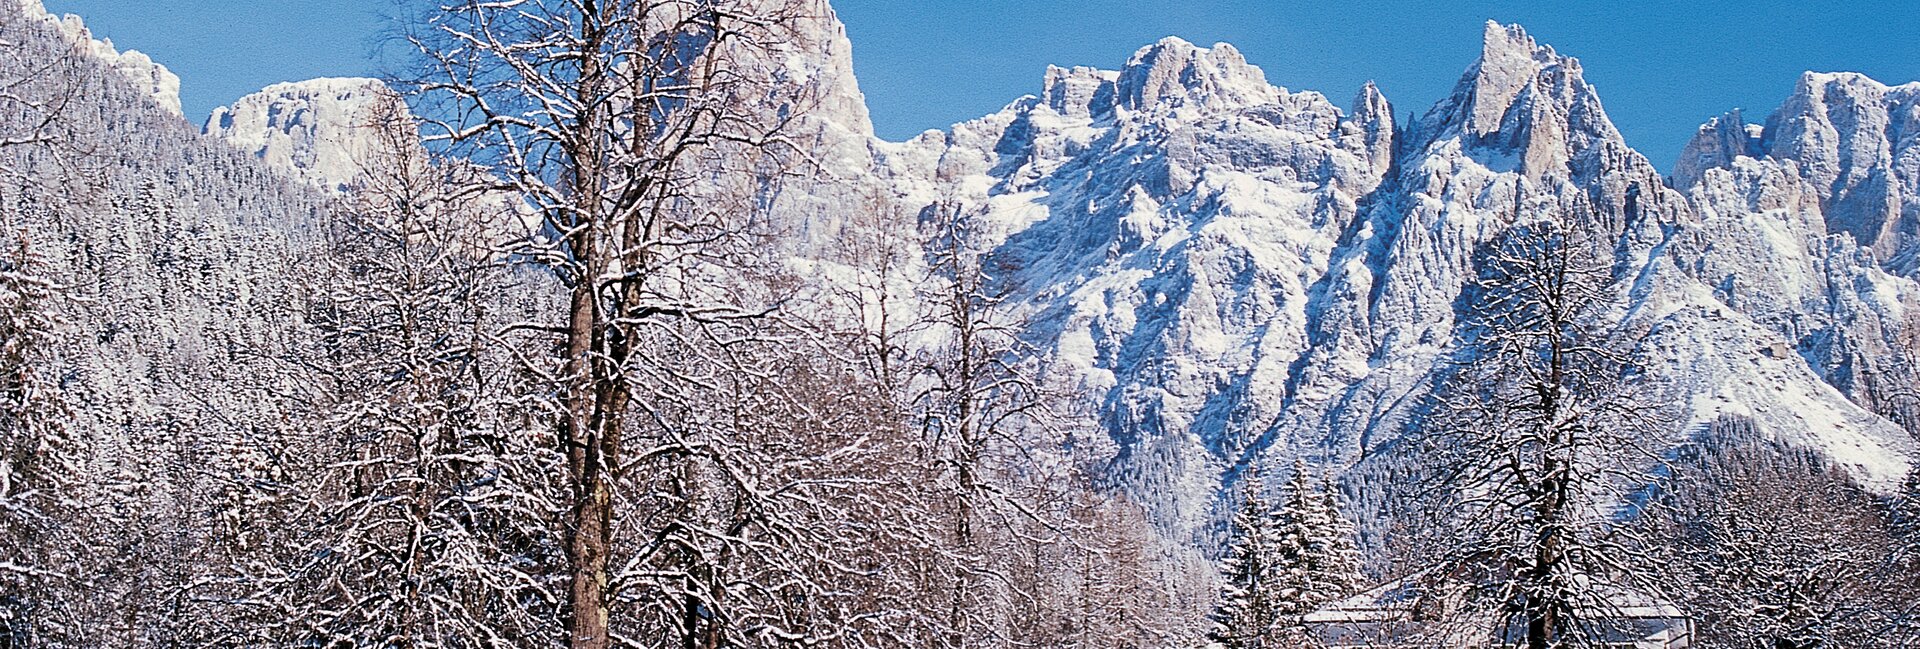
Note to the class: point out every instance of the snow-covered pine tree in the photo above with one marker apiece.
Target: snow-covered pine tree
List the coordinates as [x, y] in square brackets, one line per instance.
[39, 474]
[40, 454]
[1903, 522]
[1337, 552]
[172, 255]
[1252, 600]
[1315, 560]
[1300, 524]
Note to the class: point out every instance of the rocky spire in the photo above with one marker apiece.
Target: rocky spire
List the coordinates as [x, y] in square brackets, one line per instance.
[1716, 145]
[820, 58]
[1521, 101]
[1369, 126]
[1175, 74]
[1510, 61]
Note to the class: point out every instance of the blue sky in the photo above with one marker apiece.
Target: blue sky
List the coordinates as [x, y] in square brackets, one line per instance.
[1662, 67]
[224, 49]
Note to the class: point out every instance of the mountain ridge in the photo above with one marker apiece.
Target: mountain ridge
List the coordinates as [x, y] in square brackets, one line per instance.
[1344, 322]
[1236, 275]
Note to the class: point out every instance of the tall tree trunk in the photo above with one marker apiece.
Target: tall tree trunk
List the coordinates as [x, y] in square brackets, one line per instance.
[590, 420]
[590, 528]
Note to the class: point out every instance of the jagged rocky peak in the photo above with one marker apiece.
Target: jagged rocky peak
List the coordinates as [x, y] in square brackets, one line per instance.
[819, 58]
[1370, 121]
[1510, 61]
[1175, 72]
[1172, 75]
[138, 68]
[1522, 101]
[322, 131]
[1718, 143]
[1854, 139]
[1371, 106]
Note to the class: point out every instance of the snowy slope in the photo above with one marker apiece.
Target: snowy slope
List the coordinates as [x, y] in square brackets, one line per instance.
[138, 69]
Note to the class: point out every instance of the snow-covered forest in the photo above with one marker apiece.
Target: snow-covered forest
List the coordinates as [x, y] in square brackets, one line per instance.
[610, 323]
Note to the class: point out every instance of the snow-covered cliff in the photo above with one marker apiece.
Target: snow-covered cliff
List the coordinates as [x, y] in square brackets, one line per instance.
[322, 131]
[139, 69]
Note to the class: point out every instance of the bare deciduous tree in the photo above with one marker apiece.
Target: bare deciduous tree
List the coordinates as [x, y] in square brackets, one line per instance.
[1777, 549]
[426, 515]
[633, 129]
[1531, 443]
[978, 409]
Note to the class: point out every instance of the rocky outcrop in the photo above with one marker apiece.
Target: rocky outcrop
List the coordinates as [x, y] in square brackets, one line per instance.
[1854, 140]
[322, 131]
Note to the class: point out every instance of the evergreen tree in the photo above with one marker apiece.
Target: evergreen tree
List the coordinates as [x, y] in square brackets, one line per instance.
[1252, 600]
[1299, 522]
[1315, 561]
[1337, 555]
[38, 470]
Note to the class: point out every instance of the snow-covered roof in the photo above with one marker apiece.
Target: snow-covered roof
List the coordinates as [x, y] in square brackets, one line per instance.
[1395, 599]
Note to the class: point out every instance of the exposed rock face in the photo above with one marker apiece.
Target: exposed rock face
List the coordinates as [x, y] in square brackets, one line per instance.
[834, 129]
[1854, 140]
[320, 131]
[1720, 141]
[1241, 275]
[1858, 142]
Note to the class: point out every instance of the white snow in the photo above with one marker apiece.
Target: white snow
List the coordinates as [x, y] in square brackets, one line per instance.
[320, 131]
[138, 68]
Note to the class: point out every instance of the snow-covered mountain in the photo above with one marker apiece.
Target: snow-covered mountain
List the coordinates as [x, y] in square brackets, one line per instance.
[321, 131]
[1234, 274]
[1856, 144]
[1239, 274]
[139, 69]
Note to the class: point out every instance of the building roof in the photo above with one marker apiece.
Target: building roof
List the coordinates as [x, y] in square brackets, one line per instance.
[1396, 599]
